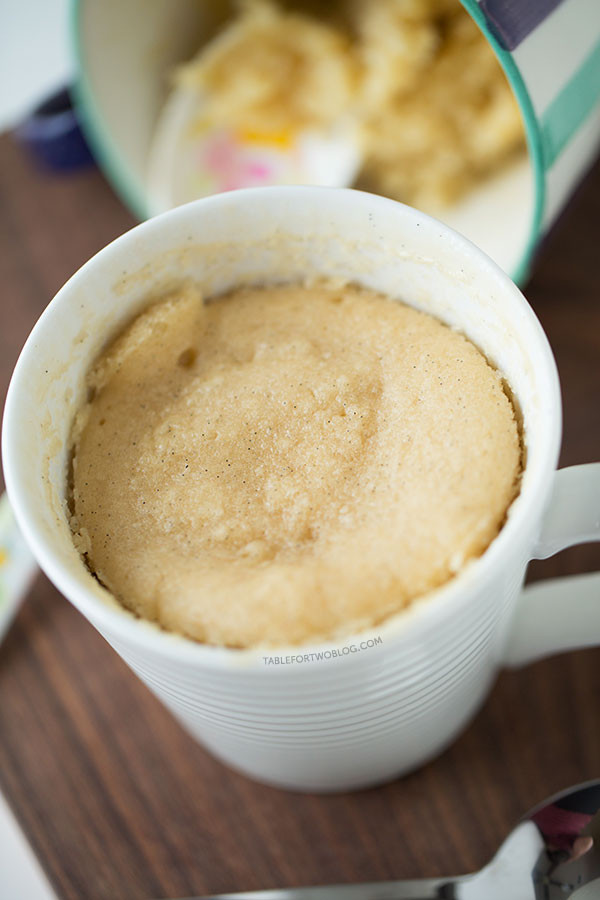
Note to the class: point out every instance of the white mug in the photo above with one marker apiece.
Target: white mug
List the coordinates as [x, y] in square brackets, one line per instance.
[377, 704]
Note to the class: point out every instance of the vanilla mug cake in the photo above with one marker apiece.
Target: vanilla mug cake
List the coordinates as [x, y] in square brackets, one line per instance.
[331, 712]
[288, 464]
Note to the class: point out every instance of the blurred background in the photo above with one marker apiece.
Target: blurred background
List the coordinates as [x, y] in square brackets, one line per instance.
[484, 115]
[35, 57]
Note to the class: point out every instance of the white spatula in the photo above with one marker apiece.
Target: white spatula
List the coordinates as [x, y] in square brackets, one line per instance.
[190, 157]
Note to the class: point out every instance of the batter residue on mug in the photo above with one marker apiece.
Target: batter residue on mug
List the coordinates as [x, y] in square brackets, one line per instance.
[288, 464]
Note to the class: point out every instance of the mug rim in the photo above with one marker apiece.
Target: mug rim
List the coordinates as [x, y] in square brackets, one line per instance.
[149, 636]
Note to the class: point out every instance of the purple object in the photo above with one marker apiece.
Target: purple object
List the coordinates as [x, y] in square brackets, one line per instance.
[52, 134]
[512, 20]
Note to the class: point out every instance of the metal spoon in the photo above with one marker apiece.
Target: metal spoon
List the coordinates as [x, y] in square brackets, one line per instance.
[554, 852]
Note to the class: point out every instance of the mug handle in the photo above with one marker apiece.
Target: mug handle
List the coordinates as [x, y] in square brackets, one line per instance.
[561, 613]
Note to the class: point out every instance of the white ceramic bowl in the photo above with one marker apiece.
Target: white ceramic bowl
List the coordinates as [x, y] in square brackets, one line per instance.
[126, 50]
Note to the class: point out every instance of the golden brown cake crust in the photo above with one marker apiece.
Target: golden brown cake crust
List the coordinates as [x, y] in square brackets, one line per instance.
[288, 464]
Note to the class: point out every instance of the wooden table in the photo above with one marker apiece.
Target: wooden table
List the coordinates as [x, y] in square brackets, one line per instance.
[120, 804]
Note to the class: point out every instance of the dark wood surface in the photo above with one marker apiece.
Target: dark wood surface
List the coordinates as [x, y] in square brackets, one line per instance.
[120, 804]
